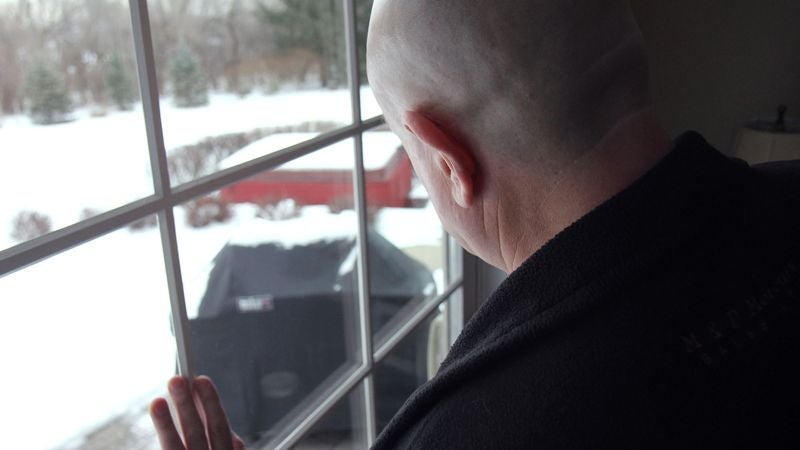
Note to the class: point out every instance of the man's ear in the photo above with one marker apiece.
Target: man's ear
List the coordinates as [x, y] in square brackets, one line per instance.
[454, 161]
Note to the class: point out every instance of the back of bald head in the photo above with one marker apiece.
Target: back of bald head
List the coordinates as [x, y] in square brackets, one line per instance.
[536, 79]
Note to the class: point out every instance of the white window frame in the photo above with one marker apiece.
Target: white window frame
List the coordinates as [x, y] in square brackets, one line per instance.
[461, 298]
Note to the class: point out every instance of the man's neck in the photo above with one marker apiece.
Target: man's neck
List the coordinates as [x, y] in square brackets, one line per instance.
[623, 156]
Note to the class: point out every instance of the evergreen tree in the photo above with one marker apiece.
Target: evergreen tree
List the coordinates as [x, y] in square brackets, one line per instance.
[119, 84]
[189, 86]
[47, 95]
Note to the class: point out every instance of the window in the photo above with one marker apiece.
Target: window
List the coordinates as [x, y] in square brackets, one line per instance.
[203, 186]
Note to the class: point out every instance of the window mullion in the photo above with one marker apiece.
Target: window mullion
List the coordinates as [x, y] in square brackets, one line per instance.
[145, 62]
[465, 265]
[365, 328]
[420, 313]
[295, 430]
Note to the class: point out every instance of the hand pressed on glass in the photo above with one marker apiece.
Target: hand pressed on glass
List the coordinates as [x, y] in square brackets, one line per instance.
[203, 420]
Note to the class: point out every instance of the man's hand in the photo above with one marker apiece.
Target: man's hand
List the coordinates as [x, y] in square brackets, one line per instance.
[203, 421]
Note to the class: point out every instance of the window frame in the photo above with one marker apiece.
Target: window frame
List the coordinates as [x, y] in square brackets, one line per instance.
[459, 296]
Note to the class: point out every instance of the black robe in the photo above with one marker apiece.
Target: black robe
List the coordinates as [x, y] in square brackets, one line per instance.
[667, 317]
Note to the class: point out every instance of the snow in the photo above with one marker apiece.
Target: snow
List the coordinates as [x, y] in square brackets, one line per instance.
[229, 113]
[57, 169]
[101, 163]
[349, 264]
[379, 147]
[85, 335]
[418, 191]
[314, 224]
[83, 339]
[369, 105]
[409, 227]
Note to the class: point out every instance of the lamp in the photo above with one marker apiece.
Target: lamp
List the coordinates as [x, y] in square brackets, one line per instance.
[769, 140]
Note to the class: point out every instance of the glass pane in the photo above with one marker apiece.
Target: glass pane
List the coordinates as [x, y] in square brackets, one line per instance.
[72, 132]
[341, 429]
[86, 343]
[406, 240]
[233, 72]
[410, 364]
[269, 267]
[369, 107]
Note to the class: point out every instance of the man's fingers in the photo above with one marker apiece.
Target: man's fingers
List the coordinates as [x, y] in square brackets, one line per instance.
[194, 433]
[162, 420]
[219, 431]
[238, 444]
[200, 427]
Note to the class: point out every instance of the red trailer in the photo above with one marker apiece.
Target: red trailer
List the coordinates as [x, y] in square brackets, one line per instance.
[325, 177]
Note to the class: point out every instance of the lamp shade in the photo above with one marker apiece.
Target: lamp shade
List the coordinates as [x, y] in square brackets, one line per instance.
[769, 140]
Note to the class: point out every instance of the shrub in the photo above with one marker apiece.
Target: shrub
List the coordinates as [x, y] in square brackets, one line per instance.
[207, 210]
[193, 161]
[196, 160]
[28, 225]
[146, 222]
[278, 210]
[88, 213]
[341, 203]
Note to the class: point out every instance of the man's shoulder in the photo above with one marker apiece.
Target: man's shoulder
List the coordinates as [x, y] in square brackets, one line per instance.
[784, 174]
[788, 169]
[772, 199]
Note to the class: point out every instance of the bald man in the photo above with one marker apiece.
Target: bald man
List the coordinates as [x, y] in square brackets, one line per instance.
[653, 293]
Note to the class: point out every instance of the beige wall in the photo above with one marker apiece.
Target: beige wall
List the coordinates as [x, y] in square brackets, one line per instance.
[717, 64]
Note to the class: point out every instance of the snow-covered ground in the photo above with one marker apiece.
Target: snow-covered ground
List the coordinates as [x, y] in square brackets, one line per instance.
[379, 148]
[85, 335]
[100, 163]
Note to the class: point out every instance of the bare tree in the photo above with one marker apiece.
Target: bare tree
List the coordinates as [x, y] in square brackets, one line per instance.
[10, 70]
[236, 48]
[231, 25]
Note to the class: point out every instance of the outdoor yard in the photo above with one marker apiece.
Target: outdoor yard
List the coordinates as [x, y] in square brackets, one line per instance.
[86, 338]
